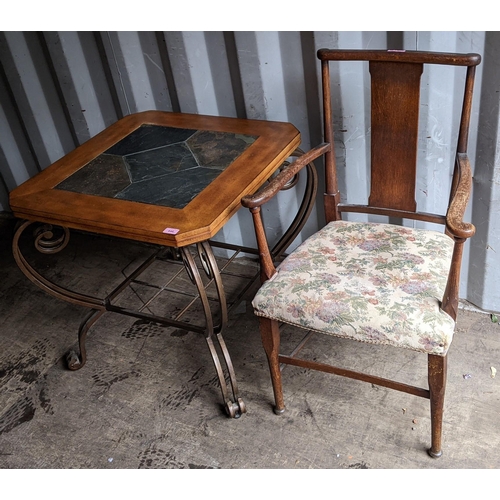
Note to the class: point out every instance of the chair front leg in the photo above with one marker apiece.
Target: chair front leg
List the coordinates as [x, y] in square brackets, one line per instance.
[437, 385]
[270, 334]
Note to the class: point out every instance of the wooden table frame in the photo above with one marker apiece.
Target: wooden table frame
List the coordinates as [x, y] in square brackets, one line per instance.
[39, 204]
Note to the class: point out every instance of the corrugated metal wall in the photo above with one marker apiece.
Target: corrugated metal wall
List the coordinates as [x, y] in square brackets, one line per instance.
[58, 89]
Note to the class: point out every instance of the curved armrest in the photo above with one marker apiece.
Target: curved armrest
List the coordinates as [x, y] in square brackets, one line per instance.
[266, 193]
[454, 218]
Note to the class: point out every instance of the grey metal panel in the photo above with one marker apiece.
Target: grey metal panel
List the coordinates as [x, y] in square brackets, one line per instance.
[58, 89]
[483, 284]
[17, 163]
[82, 80]
[137, 72]
[201, 73]
[36, 96]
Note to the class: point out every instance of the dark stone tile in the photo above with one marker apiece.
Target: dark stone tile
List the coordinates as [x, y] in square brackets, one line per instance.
[218, 149]
[149, 137]
[159, 162]
[174, 190]
[105, 176]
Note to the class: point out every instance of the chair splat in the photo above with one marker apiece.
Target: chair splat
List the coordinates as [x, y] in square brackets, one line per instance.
[394, 133]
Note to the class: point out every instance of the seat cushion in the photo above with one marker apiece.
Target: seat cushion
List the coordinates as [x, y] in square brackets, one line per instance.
[376, 283]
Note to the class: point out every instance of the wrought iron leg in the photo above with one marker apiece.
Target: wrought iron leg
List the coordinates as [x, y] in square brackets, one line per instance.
[234, 406]
[47, 242]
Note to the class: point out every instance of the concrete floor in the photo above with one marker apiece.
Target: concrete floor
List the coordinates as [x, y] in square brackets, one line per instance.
[148, 397]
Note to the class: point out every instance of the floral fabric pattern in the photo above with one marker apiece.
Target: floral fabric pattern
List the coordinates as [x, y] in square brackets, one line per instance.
[370, 282]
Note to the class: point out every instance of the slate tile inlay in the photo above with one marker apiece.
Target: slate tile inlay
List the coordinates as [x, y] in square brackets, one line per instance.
[159, 165]
[159, 162]
[104, 176]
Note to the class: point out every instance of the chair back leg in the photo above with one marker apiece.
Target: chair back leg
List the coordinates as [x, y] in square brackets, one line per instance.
[437, 384]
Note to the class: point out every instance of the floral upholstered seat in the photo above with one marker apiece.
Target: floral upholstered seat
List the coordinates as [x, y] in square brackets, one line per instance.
[375, 283]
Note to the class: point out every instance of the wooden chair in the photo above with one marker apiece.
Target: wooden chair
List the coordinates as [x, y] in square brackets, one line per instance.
[378, 283]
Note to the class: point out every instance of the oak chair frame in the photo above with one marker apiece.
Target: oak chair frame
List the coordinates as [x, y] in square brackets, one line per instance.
[392, 73]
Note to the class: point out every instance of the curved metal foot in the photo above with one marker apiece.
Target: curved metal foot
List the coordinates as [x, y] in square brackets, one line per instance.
[434, 454]
[73, 361]
[279, 412]
[241, 404]
[235, 410]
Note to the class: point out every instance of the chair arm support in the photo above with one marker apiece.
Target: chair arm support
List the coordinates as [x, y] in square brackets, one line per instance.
[460, 197]
[459, 230]
[270, 190]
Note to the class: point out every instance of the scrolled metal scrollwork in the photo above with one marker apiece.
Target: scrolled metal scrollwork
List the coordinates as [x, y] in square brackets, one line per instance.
[47, 241]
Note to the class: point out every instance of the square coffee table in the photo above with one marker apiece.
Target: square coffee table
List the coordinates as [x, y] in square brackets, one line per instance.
[167, 179]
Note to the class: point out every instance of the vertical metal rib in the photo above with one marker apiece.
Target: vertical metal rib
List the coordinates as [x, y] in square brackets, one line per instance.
[303, 212]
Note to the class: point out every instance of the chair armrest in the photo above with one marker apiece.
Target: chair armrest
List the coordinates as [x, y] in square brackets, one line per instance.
[454, 218]
[279, 182]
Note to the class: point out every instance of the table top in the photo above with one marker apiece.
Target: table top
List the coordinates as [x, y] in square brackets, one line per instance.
[159, 177]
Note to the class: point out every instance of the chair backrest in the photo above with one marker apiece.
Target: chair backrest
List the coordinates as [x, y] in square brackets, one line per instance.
[395, 102]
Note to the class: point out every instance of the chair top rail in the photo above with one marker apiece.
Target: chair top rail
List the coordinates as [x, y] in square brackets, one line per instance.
[408, 56]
